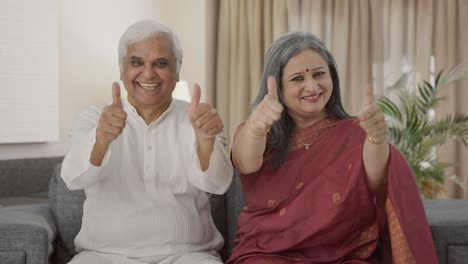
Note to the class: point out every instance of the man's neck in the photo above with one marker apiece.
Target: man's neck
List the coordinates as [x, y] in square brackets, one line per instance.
[150, 114]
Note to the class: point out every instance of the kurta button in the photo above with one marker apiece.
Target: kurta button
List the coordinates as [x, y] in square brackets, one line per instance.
[299, 185]
[150, 148]
[271, 203]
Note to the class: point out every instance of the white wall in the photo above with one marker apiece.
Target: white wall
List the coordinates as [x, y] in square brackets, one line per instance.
[89, 34]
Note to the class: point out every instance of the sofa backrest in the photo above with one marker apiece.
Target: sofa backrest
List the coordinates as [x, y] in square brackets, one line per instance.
[234, 205]
[20, 177]
[67, 209]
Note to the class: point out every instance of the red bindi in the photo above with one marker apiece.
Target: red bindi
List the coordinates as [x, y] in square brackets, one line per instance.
[307, 70]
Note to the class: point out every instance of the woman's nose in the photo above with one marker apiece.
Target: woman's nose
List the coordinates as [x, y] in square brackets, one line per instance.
[311, 84]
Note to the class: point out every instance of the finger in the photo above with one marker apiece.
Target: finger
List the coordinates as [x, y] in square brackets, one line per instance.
[276, 108]
[195, 97]
[201, 110]
[269, 115]
[368, 112]
[206, 117]
[371, 126]
[113, 111]
[112, 130]
[116, 99]
[369, 98]
[368, 124]
[214, 124]
[272, 88]
[210, 125]
[117, 122]
[215, 130]
[120, 114]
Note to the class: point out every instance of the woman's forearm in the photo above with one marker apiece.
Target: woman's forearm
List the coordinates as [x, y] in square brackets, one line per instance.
[247, 151]
[375, 158]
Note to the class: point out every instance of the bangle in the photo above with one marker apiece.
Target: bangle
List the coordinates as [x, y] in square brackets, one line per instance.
[372, 140]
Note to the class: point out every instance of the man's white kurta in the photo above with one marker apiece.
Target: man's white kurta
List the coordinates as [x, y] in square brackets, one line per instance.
[148, 198]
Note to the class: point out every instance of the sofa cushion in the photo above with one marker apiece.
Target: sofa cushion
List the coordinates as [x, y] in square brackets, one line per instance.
[67, 209]
[34, 198]
[13, 257]
[458, 254]
[26, 228]
[448, 219]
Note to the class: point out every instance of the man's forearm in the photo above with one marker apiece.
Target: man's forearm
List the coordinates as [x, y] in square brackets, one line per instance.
[98, 153]
[204, 150]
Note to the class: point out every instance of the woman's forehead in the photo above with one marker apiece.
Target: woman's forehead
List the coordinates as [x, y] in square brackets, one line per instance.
[307, 59]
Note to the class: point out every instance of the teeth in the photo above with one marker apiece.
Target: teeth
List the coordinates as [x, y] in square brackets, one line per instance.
[148, 86]
[311, 96]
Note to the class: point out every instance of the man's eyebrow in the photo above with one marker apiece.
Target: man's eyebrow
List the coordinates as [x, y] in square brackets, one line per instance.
[157, 59]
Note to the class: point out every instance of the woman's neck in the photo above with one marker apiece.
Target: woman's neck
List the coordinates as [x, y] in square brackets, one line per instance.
[310, 121]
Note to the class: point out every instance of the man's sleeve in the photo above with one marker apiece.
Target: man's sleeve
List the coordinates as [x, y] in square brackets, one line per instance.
[77, 171]
[217, 178]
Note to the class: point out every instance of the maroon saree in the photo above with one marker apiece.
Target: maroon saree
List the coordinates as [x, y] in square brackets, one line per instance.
[317, 208]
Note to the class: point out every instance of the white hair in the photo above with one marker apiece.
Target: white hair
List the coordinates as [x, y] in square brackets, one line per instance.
[143, 30]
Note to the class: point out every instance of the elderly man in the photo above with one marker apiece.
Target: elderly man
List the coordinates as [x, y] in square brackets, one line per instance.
[147, 163]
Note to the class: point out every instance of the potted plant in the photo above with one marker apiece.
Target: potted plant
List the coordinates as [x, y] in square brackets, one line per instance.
[414, 130]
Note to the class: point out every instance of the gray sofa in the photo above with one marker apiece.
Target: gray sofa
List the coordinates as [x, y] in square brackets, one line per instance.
[36, 228]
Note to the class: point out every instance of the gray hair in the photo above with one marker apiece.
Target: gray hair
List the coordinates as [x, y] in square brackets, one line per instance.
[144, 29]
[278, 55]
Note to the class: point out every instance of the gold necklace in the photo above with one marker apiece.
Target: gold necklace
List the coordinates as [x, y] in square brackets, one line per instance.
[307, 145]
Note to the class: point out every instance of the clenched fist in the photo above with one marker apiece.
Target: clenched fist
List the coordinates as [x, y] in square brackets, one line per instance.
[112, 119]
[267, 112]
[372, 120]
[203, 117]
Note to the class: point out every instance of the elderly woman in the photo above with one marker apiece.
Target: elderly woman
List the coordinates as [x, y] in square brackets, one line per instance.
[321, 186]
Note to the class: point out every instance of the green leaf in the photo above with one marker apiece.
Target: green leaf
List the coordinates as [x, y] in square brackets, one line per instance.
[410, 128]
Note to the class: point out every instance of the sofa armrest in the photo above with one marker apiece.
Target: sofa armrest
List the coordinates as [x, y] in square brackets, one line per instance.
[27, 233]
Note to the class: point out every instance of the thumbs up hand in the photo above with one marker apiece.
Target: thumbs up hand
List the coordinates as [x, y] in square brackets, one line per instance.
[112, 119]
[116, 99]
[372, 120]
[204, 118]
[267, 112]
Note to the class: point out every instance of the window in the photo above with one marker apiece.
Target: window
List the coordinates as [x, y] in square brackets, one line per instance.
[29, 103]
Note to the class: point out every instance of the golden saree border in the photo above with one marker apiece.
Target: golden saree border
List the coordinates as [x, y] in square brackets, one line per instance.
[368, 242]
[401, 252]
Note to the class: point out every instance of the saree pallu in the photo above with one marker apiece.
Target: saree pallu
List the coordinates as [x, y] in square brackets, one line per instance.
[317, 208]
